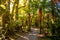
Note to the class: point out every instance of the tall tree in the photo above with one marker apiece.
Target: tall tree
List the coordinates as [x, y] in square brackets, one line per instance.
[53, 11]
[29, 17]
[17, 4]
[6, 15]
[13, 9]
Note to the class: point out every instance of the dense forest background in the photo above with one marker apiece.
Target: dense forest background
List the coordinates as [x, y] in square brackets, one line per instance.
[18, 16]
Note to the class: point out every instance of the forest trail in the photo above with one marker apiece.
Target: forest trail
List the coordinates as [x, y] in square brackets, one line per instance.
[34, 35]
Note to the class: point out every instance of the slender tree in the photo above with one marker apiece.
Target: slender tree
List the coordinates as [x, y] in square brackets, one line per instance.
[13, 10]
[17, 4]
[40, 19]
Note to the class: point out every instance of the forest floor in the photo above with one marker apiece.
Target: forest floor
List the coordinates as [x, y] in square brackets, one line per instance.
[33, 35]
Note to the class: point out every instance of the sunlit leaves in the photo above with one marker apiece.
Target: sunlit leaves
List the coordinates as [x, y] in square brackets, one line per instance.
[2, 6]
[47, 10]
[34, 5]
[21, 2]
[43, 3]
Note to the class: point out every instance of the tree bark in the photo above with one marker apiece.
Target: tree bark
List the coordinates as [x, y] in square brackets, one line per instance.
[53, 15]
[13, 10]
[17, 3]
[40, 19]
[6, 16]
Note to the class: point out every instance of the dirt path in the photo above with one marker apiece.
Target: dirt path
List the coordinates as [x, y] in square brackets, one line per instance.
[31, 35]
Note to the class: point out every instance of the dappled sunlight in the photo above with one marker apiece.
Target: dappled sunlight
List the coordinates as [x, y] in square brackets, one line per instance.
[40, 35]
[21, 2]
[25, 37]
[33, 34]
[35, 28]
[11, 5]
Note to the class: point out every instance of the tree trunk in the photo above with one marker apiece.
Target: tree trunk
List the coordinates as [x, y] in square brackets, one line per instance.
[17, 4]
[6, 16]
[29, 17]
[29, 24]
[53, 15]
[13, 10]
[40, 19]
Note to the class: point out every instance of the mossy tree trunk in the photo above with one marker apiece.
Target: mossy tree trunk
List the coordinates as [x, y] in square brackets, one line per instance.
[6, 15]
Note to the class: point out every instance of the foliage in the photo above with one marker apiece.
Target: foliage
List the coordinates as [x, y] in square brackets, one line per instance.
[1, 10]
[20, 15]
